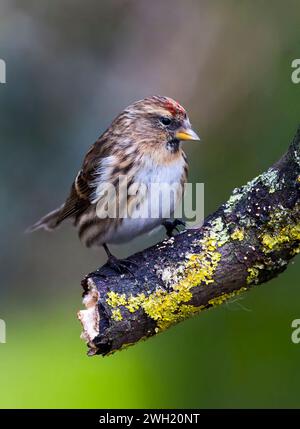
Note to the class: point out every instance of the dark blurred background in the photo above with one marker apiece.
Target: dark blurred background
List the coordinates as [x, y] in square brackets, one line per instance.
[71, 67]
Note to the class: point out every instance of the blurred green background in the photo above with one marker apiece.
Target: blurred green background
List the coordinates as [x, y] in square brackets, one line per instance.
[71, 67]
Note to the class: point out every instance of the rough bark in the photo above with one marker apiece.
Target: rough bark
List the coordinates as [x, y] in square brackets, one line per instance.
[249, 240]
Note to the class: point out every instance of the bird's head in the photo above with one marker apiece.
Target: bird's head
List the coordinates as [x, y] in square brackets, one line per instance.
[157, 124]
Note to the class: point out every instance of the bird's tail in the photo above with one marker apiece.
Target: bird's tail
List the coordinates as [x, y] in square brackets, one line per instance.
[48, 222]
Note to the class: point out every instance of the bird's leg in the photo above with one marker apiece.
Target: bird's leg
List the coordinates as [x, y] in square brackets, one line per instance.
[171, 225]
[108, 252]
[118, 265]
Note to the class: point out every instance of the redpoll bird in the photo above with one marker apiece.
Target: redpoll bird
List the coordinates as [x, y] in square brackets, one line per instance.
[142, 144]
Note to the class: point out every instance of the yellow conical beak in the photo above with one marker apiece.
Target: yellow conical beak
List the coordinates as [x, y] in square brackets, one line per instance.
[186, 134]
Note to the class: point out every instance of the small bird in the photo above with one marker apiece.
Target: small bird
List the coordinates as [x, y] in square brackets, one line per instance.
[143, 144]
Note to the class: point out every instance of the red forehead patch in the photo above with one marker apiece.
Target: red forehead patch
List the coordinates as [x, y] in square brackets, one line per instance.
[174, 108]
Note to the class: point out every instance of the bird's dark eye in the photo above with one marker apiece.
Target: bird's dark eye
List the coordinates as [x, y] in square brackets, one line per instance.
[165, 121]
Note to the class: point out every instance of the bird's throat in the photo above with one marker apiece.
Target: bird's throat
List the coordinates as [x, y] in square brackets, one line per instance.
[173, 145]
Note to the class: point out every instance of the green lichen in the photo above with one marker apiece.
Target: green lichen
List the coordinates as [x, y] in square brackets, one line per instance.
[236, 196]
[219, 231]
[269, 179]
[297, 156]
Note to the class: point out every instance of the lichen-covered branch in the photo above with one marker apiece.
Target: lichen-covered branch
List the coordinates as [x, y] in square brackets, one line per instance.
[249, 240]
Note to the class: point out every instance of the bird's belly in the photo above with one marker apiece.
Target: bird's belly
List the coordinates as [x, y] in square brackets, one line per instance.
[145, 214]
[131, 228]
[146, 208]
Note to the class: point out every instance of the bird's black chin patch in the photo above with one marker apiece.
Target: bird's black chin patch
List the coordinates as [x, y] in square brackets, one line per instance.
[173, 145]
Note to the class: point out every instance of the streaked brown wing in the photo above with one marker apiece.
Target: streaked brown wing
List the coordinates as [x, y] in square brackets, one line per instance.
[81, 191]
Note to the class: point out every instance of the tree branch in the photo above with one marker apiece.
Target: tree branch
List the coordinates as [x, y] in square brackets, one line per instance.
[249, 240]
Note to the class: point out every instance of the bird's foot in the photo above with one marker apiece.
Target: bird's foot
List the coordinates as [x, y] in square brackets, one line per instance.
[172, 225]
[121, 266]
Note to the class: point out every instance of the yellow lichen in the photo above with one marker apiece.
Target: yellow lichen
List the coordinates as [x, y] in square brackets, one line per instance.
[253, 275]
[282, 231]
[115, 299]
[225, 297]
[238, 234]
[134, 302]
[275, 240]
[116, 314]
[169, 307]
[171, 304]
[295, 251]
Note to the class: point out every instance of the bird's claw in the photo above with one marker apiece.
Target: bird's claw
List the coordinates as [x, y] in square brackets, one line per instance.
[121, 266]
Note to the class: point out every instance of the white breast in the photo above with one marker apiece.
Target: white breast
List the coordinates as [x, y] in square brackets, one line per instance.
[157, 204]
[161, 173]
